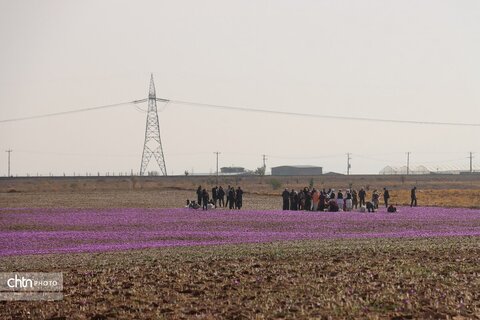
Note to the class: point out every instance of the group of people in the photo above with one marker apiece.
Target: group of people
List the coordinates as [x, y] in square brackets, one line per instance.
[310, 199]
[228, 198]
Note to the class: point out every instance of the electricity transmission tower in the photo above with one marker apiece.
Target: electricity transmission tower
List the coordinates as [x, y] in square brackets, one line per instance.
[153, 143]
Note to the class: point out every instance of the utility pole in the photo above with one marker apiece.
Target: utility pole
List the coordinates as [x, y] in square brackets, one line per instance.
[471, 162]
[408, 163]
[217, 153]
[264, 156]
[348, 164]
[9, 151]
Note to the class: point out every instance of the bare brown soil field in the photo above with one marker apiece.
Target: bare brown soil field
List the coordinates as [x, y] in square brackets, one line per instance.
[383, 278]
[260, 193]
[176, 198]
[429, 278]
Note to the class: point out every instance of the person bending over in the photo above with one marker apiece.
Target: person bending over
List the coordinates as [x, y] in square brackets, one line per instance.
[370, 206]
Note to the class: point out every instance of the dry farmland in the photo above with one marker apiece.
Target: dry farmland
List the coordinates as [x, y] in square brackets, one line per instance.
[412, 265]
[260, 192]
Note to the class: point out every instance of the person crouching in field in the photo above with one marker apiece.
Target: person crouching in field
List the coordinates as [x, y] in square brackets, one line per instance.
[332, 206]
[370, 206]
[286, 199]
[211, 204]
[391, 208]
[193, 205]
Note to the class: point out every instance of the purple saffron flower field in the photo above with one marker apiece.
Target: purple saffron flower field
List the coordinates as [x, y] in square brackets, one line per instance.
[38, 231]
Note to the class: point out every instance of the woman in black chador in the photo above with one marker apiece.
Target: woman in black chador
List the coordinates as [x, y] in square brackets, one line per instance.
[221, 197]
[205, 198]
[199, 195]
[231, 198]
[239, 199]
[286, 199]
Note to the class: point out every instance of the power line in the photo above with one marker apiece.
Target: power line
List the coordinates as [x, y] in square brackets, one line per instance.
[246, 109]
[312, 115]
[62, 113]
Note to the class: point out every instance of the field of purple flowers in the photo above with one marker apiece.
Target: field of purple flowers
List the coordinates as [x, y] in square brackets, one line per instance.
[40, 231]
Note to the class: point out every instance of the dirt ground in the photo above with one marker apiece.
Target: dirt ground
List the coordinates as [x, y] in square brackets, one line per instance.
[174, 198]
[433, 278]
[383, 278]
[260, 192]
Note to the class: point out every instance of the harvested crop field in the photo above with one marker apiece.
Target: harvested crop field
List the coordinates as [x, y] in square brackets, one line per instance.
[127, 254]
[183, 263]
[427, 278]
[34, 231]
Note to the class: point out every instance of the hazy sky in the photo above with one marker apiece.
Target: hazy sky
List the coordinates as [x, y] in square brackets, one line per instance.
[410, 60]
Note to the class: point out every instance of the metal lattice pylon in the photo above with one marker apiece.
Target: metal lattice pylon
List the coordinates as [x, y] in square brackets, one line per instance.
[153, 143]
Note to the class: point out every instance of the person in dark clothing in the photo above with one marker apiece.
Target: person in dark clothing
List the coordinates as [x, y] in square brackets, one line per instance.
[199, 195]
[293, 200]
[239, 198]
[391, 208]
[231, 198]
[370, 206]
[386, 196]
[308, 199]
[301, 200]
[354, 199]
[286, 199]
[214, 195]
[375, 198]
[296, 200]
[221, 197]
[361, 195]
[348, 201]
[292, 196]
[332, 195]
[321, 201]
[413, 196]
[205, 198]
[332, 206]
[228, 196]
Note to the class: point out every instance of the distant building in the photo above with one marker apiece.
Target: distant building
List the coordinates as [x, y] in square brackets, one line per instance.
[232, 170]
[297, 171]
